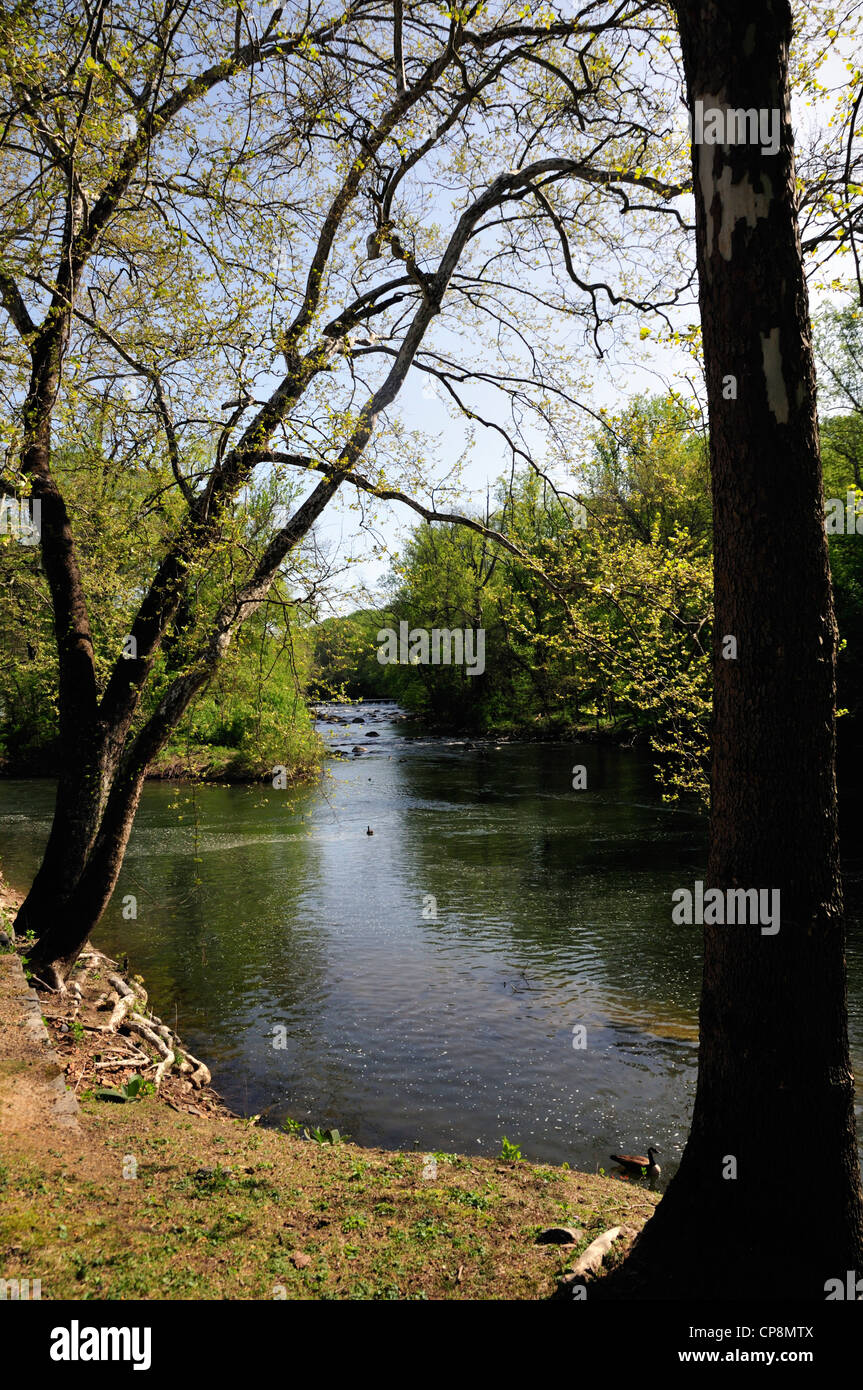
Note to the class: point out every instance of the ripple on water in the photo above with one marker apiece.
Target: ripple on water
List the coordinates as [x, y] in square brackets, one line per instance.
[428, 981]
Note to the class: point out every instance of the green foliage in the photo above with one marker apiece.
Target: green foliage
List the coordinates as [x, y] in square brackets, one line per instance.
[137, 1087]
[649, 465]
[839, 339]
[603, 626]
[479, 1201]
[324, 1136]
[345, 658]
[255, 706]
[134, 1089]
[253, 714]
[510, 1153]
[839, 350]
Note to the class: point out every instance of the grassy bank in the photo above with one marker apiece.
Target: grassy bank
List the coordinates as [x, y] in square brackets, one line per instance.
[217, 763]
[199, 762]
[219, 1208]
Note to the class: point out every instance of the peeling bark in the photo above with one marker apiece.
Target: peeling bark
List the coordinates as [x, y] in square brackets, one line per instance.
[775, 1089]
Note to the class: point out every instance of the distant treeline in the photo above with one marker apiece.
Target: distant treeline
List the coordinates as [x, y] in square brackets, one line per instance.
[605, 623]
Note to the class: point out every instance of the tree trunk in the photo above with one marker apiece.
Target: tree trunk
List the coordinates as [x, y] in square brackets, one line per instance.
[82, 775]
[78, 804]
[767, 1200]
[63, 935]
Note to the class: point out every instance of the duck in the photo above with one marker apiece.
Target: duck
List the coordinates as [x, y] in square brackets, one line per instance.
[369, 830]
[635, 1164]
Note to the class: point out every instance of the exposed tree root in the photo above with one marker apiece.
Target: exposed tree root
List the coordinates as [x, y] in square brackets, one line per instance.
[130, 1016]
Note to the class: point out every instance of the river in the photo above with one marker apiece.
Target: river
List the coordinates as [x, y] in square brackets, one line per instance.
[498, 958]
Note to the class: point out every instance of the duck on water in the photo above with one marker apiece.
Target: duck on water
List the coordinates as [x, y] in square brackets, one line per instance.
[637, 1164]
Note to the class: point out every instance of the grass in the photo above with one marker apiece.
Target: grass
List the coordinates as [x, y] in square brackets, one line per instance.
[220, 1209]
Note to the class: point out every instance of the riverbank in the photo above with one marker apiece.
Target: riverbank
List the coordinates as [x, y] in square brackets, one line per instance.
[146, 1203]
[168, 1195]
[551, 729]
[220, 764]
[205, 763]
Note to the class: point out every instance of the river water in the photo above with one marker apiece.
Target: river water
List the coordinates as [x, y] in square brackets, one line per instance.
[429, 985]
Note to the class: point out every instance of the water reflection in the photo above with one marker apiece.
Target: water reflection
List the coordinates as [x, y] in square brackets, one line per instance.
[427, 980]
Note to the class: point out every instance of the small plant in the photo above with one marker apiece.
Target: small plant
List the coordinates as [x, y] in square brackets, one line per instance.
[211, 1180]
[480, 1201]
[509, 1153]
[324, 1136]
[76, 1028]
[429, 1229]
[292, 1126]
[134, 1089]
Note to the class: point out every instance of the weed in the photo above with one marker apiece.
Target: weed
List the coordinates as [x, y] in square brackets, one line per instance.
[480, 1201]
[509, 1153]
[324, 1136]
[134, 1089]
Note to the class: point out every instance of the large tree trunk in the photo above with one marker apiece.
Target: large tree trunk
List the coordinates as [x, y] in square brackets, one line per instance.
[54, 954]
[775, 1095]
[64, 933]
[82, 774]
[80, 788]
